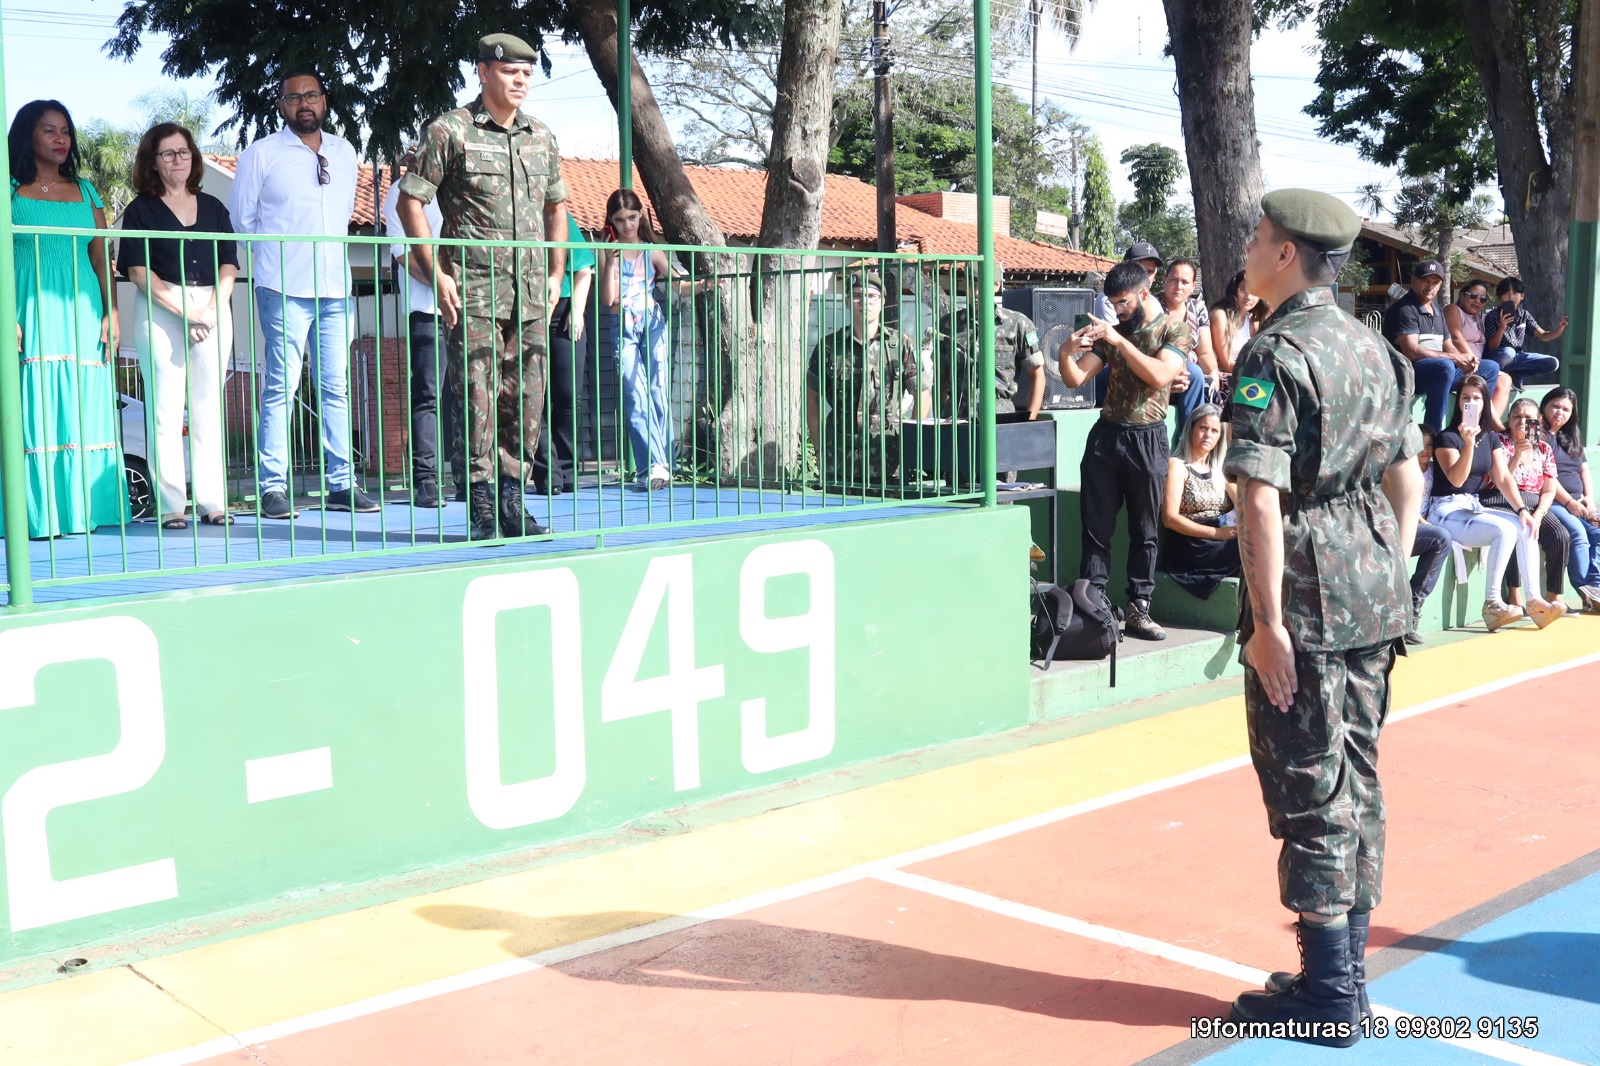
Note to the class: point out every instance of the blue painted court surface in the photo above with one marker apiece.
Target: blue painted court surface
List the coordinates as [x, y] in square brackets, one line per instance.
[142, 557]
[1540, 961]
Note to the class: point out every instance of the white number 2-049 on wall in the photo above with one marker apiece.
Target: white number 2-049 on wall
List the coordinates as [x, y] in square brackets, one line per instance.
[666, 592]
[34, 897]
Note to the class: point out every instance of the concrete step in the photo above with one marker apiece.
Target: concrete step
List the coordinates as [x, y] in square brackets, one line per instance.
[1145, 669]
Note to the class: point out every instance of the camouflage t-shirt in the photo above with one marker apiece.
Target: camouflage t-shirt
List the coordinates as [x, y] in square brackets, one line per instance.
[493, 184]
[1321, 410]
[1130, 400]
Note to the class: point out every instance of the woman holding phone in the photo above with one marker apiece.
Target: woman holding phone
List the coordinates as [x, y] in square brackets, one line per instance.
[1464, 467]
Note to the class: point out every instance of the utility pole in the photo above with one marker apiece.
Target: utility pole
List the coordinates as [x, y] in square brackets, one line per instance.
[883, 135]
[1034, 15]
[1583, 238]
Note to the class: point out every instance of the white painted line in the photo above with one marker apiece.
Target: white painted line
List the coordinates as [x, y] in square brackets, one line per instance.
[1022, 912]
[294, 774]
[1503, 1050]
[1493, 686]
[732, 908]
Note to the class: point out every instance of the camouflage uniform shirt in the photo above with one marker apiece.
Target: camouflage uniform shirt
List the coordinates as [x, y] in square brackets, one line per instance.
[493, 184]
[1016, 351]
[1130, 401]
[1321, 409]
[864, 382]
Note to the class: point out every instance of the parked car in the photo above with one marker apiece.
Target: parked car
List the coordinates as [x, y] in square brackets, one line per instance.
[136, 458]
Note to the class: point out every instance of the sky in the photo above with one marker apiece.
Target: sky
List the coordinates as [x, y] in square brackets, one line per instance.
[1116, 80]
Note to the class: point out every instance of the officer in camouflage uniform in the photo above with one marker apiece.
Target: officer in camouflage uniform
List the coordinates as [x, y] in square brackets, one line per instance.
[497, 174]
[1017, 355]
[1322, 453]
[861, 379]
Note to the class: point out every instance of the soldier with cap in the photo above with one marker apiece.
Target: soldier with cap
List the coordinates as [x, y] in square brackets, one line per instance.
[860, 380]
[1323, 456]
[1018, 359]
[497, 175]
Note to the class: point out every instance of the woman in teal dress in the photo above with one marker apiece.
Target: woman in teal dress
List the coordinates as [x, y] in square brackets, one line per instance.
[67, 332]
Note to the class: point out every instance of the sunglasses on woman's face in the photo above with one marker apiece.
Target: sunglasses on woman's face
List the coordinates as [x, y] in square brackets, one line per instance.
[1478, 296]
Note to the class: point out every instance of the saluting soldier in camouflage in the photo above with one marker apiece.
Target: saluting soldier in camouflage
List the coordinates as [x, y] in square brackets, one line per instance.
[1018, 359]
[1322, 452]
[861, 379]
[497, 174]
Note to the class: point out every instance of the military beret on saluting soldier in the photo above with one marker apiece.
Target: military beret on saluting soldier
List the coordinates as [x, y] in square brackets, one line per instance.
[1313, 216]
[505, 48]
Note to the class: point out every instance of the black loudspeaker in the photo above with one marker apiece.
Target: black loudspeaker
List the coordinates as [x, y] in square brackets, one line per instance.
[1053, 311]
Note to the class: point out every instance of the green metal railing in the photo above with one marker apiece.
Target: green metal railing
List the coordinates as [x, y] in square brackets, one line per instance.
[778, 399]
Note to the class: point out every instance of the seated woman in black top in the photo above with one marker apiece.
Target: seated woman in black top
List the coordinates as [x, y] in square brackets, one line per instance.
[1575, 505]
[182, 319]
[1201, 546]
[1465, 467]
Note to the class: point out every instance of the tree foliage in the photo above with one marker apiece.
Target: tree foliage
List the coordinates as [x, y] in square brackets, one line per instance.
[1459, 101]
[1154, 170]
[1099, 208]
[935, 144]
[387, 67]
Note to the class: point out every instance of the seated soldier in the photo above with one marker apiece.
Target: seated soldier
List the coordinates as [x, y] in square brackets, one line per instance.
[860, 380]
[1018, 361]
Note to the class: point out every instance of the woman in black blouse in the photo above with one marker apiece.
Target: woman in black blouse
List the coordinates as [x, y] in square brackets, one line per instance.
[183, 318]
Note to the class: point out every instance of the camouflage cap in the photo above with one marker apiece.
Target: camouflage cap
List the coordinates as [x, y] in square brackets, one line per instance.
[1313, 216]
[505, 48]
[867, 281]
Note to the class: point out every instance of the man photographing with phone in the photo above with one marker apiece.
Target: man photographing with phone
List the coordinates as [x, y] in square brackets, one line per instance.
[1125, 459]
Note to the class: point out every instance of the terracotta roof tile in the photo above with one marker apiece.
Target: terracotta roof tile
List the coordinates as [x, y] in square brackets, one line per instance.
[734, 199]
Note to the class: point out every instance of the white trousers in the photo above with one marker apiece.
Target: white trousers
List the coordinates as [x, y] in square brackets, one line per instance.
[179, 374]
[1502, 533]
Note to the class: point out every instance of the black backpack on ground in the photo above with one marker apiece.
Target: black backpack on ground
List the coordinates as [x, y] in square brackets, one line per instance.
[1075, 624]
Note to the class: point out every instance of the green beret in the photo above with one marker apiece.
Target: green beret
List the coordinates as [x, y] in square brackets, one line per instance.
[1313, 216]
[506, 48]
[866, 281]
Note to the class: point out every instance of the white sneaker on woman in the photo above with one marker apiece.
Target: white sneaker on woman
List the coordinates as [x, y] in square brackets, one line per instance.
[1543, 612]
[1497, 614]
[1591, 597]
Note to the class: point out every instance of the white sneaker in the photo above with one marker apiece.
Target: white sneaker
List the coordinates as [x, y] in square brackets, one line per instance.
[1543, 612]
[1497, 614]
[1591, 598]
[660, 477]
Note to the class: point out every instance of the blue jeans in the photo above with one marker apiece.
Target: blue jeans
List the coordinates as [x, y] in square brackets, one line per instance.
[1186, 401]
[1521, 365]
[1437, 378]
[642, 365]
[1430, 548]
[295, 326]
[1583, 564]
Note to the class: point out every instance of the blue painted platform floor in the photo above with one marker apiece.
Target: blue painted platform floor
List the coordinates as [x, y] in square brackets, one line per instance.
[143, 558]
[1538, 961]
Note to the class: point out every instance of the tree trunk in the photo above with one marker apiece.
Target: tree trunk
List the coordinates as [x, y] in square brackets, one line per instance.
[1447, 245]
[763, 336]
[760, 429]
[1210, 42]
[1537, 188]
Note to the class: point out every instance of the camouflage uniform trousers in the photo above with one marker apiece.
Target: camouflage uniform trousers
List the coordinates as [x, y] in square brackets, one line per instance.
[1318, 768]
[502, 394]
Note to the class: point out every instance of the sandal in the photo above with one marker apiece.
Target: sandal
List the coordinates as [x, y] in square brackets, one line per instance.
[217, 518]
[175, 522]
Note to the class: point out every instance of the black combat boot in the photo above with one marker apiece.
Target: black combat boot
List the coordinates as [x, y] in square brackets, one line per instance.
[514, 521]
[483, 523]
[1320, 1008]
[1360, 922]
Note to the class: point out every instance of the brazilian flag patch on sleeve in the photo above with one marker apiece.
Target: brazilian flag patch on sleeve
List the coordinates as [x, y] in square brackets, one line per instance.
[1253, 393]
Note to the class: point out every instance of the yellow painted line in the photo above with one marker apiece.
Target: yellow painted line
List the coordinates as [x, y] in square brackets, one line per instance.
[270, 977]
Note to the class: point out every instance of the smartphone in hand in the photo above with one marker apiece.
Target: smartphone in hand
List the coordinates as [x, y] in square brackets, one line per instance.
[1080, 321]
[1471, 412]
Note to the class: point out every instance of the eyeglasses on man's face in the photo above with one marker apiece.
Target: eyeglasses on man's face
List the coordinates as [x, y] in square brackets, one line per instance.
[314, 97]
[172, 155]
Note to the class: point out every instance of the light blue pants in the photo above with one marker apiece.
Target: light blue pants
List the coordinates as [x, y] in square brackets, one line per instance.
[642, 366]
[294, 327]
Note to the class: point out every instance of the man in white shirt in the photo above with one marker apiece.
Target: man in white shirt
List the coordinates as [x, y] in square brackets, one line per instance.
[424, 331]
[300, 181]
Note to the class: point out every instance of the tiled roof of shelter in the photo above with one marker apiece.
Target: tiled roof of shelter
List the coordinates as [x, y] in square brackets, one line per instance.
[734, 199]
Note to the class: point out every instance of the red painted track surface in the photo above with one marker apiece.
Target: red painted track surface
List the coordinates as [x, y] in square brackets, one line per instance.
[1482, 797]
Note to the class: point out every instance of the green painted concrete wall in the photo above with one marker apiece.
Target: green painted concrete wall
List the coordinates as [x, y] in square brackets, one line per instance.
[176, 757]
